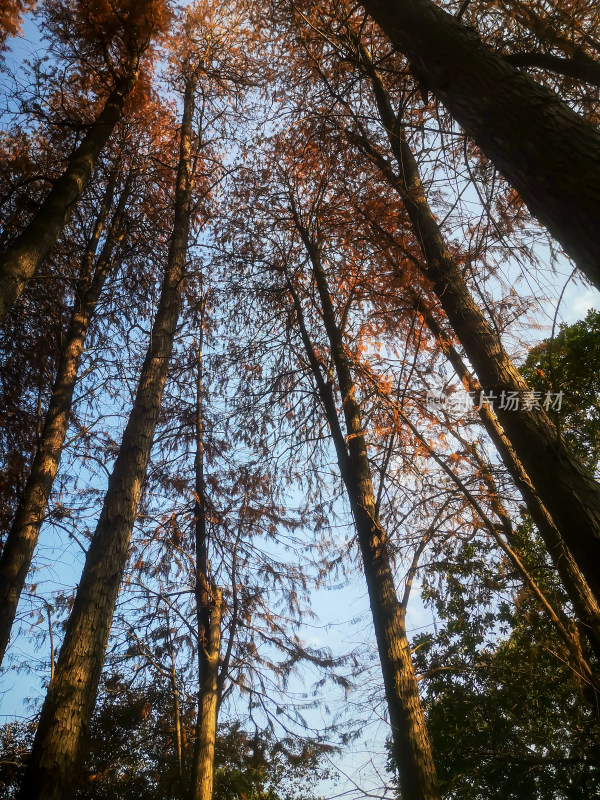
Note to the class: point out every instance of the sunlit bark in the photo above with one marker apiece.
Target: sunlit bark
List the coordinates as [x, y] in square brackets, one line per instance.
[69, 703]
[411, 746]
[19, 262]
[22, 537]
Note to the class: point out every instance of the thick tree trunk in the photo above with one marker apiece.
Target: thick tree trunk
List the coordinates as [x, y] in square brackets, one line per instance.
[23, 534]
[585, 606]
[69, 704]
[411, 745]
[549, 154]
[563, 626]
[570, 495]
[19, 262]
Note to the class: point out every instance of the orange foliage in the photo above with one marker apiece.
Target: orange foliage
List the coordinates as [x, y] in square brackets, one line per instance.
[11, 12]
[109, 33]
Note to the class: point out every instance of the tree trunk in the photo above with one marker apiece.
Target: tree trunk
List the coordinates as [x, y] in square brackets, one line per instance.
[546, 151]
[177, 715]
[22, 258]
[585, 606]
[209, 602]
[569, 494]
[411, 745]
[21, 541]
[69, 704]
[208, 705]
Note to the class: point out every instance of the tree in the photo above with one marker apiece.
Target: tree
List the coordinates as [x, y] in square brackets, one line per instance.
[242, 412]
[66, 714]
[11, 12]
[23, 535]
[126, 31]
[531, 434]
[411, 742]
[130, 752]
[209, 606]
[543, 148]
[569, 363]
[537, 36]
[301, 272]
[493, 648]
[526, 438]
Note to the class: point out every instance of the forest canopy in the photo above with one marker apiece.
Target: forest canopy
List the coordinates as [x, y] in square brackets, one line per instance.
[299, 437]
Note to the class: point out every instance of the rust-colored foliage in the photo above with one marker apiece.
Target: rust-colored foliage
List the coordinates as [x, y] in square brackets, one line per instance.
[11, 12]
[108, 33]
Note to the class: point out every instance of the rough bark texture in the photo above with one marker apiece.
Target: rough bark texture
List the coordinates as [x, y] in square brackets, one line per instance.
[69, 703]
[21, 260]
[570, 495]
[23, 535]
[411, 745]
[547, 152]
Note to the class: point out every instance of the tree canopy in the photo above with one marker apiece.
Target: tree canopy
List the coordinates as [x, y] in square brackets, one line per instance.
[282, 315]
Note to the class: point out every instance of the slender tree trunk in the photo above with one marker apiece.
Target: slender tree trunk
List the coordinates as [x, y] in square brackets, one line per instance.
[585, 606]
[69, 703]
[208, 612]
[570, 495]
[19, 262]
[21, 541]
[177, 713]
[208, 705]
[411, 745]
[560, 621]
[546, 151]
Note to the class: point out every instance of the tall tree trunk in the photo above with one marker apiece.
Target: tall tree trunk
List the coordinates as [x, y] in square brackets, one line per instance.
[19, 262]
[562, 624]
[585, 606]
[208, 610]
[69, 703]
[546, 151]
[208, 704]
[179, 743]
[21, 541]
[411, 745]
[564, 487]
